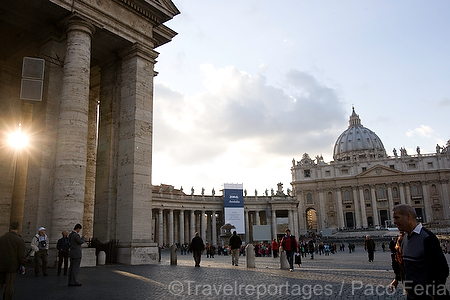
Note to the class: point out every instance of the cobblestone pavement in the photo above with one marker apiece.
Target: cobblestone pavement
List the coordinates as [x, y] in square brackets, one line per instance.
[338, 276]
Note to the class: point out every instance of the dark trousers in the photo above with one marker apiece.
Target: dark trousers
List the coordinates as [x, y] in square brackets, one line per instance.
[290, 258]
[7, 280]
[73, 270]
[63, 257]
[197, 257]
[370, 255]
[40, 256]
[275, 253]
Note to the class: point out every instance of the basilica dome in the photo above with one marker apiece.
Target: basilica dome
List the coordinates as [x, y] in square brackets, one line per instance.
[358, 142]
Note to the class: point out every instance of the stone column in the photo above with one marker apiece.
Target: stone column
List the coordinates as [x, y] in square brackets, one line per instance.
[427, 203]
[408, 193]
[70, 166]
[301, 214]
[445, 198]
[295, 228]
[208, 237]
[20, 167]
[182, 241]
[41, 169]
[192, 225]
[187, 230]
[134, 189]
[376, 222]
[340, 210]
[161, 227]
[106, 175]
[402, 193]
[356, 204]
[176, 227]
[290, 219]
[390, 202]
[257, 219]
[247, 227]
[362, 201]
[89, 193]
[203, 224]
[214, 228]
[171, 227]
[322, 212]
[274, 224]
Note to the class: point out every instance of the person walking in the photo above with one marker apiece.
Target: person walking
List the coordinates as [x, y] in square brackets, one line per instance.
[12, 249]
[397, 262]
[426, 269]
[39, 245]
[75, 254]
[63, 252]
[289, 244]
[369, 246]
[275, 247]
[197, 247]
[235, 246]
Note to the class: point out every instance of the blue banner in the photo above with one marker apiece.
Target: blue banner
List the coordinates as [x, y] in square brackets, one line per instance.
[233, 198]
[234, 206]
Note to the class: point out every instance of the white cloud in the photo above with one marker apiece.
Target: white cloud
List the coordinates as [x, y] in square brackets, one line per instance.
[239, 121]
[423, 131]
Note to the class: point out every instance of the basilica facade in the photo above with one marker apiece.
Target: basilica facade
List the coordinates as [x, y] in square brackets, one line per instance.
[362, 185]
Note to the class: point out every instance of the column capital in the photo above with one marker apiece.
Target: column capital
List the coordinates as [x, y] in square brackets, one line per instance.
[76, 22]
[139, 50]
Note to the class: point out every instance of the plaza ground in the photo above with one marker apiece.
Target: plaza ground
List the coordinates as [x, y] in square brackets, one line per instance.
[339, 276]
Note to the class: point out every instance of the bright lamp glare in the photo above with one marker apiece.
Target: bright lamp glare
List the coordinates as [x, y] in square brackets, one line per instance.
[18, 140]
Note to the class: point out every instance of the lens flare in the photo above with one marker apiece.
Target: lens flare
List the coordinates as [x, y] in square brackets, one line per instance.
[18, 140]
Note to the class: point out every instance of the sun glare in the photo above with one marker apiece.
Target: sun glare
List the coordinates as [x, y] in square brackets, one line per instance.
[18, 139]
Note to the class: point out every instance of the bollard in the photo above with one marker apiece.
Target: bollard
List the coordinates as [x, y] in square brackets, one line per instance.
[173, 255]
[250, 256]
[101, 258]
[284, 264]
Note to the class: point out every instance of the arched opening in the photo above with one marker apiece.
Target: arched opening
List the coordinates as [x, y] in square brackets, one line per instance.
[370, 221]
[311, 220]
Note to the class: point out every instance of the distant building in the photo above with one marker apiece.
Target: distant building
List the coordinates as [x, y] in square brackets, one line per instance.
[362, 185]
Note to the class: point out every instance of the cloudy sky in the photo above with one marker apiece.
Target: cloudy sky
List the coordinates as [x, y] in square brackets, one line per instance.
[246, 86]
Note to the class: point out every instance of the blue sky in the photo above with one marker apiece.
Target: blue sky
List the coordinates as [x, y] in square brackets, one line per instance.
[246, 86]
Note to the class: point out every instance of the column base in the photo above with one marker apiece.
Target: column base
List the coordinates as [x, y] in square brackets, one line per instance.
[89, 258]
[138, 254]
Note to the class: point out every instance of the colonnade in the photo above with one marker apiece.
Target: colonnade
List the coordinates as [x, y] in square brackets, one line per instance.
[172, 225]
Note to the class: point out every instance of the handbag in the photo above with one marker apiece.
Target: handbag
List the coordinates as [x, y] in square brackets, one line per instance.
[298, 259]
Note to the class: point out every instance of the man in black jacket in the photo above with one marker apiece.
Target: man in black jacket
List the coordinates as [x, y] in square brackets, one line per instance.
[197, 247]
[235, 246]
[75, 255]
[63, 252]
[12, 249]
[426, 268]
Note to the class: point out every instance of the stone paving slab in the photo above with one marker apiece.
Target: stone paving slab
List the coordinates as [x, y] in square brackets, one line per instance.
[338, 276]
